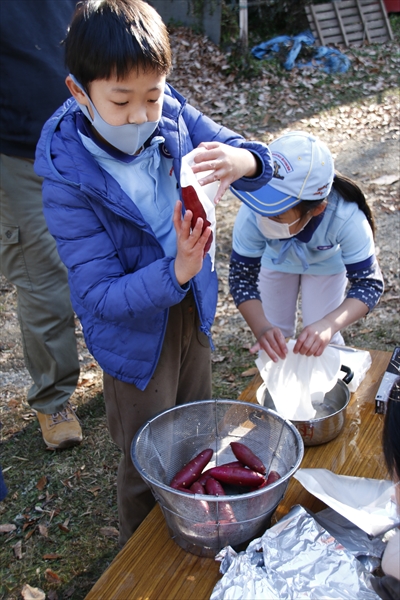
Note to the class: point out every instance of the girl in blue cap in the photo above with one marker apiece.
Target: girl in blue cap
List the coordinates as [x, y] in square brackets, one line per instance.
[310, 230]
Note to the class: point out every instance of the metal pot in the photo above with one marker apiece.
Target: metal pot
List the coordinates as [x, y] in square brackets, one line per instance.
[330, 416]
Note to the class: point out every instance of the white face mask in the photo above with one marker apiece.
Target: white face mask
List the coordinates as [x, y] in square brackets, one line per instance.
[128, 138]
[274, 230]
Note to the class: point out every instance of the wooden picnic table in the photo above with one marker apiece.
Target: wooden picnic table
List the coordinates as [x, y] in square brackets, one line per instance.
[151, 566]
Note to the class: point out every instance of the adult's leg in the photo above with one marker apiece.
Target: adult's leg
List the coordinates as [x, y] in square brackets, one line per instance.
[183, 374]
[279, 292]
[29, 259]
[320, 294]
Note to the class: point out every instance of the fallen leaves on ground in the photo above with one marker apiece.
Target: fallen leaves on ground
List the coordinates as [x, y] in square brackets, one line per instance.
[32, 593]
[51, 576]
[109, 531]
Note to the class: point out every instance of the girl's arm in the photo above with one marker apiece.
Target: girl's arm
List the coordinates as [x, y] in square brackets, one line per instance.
[243, 278]
[365, 290]
[269, 338]
[314, 338]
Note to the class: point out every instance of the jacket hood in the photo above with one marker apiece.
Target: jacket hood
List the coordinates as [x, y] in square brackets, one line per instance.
[56, 151]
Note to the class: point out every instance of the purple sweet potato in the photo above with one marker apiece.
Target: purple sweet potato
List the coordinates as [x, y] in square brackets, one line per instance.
[248, 458]
[225, 512]
[191, 472]
[272, 477]
[237, 476]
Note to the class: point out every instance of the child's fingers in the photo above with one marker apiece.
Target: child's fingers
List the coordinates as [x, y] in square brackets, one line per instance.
[255, 348]
[274, 344]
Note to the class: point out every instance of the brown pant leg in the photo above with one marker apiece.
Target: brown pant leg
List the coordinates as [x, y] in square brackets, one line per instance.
[183, 374]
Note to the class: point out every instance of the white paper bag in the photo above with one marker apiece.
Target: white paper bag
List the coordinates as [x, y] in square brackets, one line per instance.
[205, 194]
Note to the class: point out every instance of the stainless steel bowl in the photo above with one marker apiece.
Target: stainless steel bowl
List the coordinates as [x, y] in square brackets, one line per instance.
[330, 414]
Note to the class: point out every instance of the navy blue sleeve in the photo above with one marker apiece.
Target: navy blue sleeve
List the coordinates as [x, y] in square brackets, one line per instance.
[243, 278]
[366, 284]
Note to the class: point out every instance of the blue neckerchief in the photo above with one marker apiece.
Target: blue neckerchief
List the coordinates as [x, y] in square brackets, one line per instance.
[306, 234]
[296, 242]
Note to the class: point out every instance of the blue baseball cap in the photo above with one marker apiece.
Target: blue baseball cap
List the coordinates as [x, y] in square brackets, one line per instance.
[303, 170]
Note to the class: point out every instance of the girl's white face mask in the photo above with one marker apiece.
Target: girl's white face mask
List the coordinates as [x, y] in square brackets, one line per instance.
[273, 230]
[128, 138]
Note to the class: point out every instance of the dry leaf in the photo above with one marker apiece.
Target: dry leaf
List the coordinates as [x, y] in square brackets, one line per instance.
[109, 531]
[386, 179]
[7, 528]
[43, 530]
[32, 593]
[17, 549]
[95, 490]
[29, 534]
[217, 358]
[41, 484]
[51, 556]
[250, 372]
[63, 528]
[51, 576]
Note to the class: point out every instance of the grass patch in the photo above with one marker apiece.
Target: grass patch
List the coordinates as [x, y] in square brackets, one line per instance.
[60, 506]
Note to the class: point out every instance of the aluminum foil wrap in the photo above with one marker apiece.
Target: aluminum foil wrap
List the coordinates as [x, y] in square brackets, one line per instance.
[295, 559]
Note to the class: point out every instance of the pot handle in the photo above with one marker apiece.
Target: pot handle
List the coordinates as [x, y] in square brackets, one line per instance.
[349, 374]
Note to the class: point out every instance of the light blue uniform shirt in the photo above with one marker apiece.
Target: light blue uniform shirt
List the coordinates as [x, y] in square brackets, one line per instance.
[150, 183]
[343, 237]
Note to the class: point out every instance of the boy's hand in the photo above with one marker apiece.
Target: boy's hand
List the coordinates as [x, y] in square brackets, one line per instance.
[190, 245]
[226, 163]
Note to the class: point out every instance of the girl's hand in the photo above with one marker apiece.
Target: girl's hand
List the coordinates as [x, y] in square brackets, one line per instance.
[314, 338]
[190, 245]
[227, 164]
[273, 342]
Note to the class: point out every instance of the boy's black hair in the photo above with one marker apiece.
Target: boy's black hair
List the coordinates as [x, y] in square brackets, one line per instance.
[391, 432]
[350, 192]
[111, 37]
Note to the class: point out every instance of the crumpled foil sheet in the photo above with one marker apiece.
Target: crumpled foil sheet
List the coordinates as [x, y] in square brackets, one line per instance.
[294, 559]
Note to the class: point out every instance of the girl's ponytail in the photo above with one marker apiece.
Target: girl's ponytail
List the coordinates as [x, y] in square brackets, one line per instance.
[349, 190]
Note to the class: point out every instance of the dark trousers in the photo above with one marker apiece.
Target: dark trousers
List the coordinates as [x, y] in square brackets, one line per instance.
[183, 374]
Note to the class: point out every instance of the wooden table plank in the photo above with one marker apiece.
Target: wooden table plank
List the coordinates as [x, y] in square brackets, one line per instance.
[151, 566]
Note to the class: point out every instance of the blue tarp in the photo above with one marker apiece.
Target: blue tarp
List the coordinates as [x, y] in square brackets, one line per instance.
[329, 59]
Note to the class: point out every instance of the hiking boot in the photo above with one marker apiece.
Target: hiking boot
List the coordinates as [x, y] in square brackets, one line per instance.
[60, 430]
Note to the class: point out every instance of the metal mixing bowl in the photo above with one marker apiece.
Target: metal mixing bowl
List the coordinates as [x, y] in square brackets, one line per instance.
[330, 414]
[169, 440]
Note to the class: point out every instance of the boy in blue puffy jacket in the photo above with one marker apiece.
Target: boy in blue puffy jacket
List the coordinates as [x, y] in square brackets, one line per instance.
[140, 284]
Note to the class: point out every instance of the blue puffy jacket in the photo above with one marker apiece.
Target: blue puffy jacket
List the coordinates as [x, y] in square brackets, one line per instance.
[121, 282]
